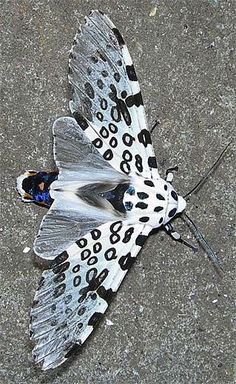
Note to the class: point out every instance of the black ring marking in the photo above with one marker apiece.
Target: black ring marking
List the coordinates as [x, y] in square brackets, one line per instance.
[85, 254]
[96, 234]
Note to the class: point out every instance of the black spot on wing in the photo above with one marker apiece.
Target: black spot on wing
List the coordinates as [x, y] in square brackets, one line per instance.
[139, 163]
[101, 277]
[97, 143]
[115, 114]
[128, 139]
[89, 90]
[126, 261]
[96, 234]
[108, 154]
[82, 242]
[112, 128]
[76, 268]
[94, 59]
[103, 104]
[117, 77]
[174, 195]
[128, 234]
[80, 120]
[114, 238]
[119, 37]
[144, 137]
[142, 195]
[144, 219]
[59, 259]
[110, 254]
[85, 254]
[125, 167]
[97, 247]
[100, 84]
[113, 142]
[172, 212]
[141, 205]
[131, 73]
[136, 100]
[120, 108]
[124, 111]
[158, 209]
[104, 132]
[77, 281]
[59, 290]
[141, 240]
[106, 294]
[61, 267]
[99, 116]
[59, 278]
[104, 73]
[113, 94]
[127, 155]
[152, 162]
[92, 260]
[95, 318]
[149, 183]
[81, 311]
[116, 226]
[159, 196]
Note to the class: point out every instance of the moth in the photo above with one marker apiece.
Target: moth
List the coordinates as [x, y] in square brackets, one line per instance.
[104, 198]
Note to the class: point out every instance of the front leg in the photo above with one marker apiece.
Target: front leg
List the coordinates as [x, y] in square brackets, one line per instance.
[177, 237]
[169, 173]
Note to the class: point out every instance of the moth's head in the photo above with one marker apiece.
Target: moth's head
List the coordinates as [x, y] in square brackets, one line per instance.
[176, 204]
[25, 186]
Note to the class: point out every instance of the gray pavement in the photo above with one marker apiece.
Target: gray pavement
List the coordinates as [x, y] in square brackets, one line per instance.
[173, 316]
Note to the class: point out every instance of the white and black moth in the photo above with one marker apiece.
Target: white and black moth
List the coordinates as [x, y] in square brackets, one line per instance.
[106, 197]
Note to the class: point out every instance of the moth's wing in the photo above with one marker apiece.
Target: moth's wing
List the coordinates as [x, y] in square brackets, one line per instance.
[74, 153]
[74, 293]
[106, 98]
[79, 164]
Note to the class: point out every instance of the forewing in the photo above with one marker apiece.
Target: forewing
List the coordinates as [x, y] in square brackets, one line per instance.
[73, 294]
[106, 98]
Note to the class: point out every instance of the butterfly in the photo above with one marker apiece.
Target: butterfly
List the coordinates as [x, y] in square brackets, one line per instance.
[104, 198]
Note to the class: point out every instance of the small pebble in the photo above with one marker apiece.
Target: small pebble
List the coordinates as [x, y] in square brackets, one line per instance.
[26, 250]
[153, 11]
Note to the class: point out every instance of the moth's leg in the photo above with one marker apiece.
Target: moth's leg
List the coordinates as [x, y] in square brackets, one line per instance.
[169, 173]
[157, 122]
[177, 237]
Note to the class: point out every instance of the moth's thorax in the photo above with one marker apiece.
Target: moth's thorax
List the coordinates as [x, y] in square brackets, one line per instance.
[154, 202]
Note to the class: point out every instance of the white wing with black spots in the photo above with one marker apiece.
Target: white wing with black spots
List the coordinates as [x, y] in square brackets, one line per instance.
[74, 293]
[106, 200]
[106, 98]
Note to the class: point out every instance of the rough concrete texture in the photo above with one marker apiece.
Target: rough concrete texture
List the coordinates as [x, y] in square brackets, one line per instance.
[172, 317]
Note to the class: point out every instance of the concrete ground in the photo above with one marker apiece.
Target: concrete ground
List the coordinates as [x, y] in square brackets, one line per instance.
[173, 316]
